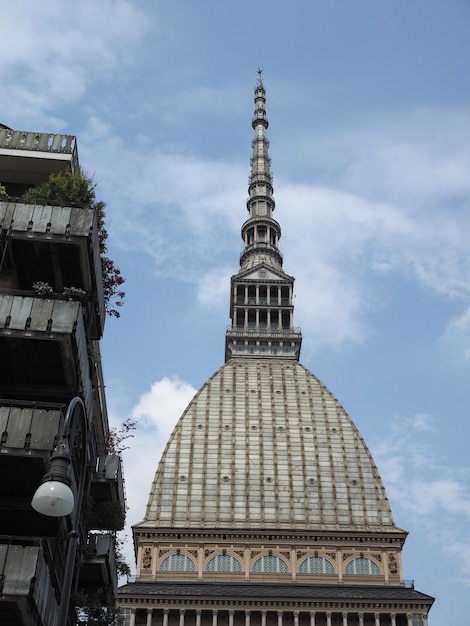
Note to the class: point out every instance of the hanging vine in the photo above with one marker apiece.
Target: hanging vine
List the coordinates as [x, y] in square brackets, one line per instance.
[79, 188]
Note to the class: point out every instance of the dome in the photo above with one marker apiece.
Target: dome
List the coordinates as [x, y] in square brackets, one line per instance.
[265, 445]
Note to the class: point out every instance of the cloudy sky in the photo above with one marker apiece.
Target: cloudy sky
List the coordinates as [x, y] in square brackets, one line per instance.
[369, 115]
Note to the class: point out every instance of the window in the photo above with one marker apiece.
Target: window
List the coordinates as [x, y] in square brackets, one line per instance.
[316, 565]
[126, 616]
[418, 619]
[362, 567]
[223, 563]
[270, 565]
[177, 563]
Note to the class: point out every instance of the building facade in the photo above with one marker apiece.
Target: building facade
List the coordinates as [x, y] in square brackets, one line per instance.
[267, 508]
[52, 313]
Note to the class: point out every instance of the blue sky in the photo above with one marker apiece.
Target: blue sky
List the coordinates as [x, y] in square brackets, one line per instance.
[369, 115]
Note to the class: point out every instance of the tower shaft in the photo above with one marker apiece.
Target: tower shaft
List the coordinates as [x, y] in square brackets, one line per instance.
[261, 294]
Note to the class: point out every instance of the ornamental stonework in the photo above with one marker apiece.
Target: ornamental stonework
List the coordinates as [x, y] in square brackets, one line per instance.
[147, 558]
[392, 563]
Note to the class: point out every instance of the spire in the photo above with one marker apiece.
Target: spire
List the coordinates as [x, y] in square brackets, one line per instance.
[261, 233]
[260, 162]
[261, 299]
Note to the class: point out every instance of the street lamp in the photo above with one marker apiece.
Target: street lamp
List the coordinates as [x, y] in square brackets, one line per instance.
[54, 497]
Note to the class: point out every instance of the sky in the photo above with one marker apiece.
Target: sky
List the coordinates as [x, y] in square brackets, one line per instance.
[369, 110]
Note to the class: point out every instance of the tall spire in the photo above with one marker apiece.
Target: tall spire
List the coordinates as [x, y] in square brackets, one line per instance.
[260, 163]
[261, 299]
[260, 205]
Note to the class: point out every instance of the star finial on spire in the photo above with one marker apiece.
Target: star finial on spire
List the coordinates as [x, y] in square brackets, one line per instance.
[260, 73]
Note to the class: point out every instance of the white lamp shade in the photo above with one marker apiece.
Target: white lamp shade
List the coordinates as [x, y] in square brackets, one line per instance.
[53, 498]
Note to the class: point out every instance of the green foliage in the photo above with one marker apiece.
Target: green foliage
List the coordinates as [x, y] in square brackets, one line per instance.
[112, 281]
[2, 190]
[96, 609]
[122, 566]
[79, 188]
[116, 437]
[106, 515]
[64, 187]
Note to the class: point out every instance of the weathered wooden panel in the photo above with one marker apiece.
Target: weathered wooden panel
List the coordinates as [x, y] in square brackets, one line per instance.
[20, 312]
[41, 218]
[81, 221]
[3, 557]
[19, 425]
[20, 568]
[41, 313]
[6, 214]
[6, 303]
[22, 216]
[99, 278]
[64, 315]
[44, 429]
[112, 466]
[60, 219]
[44, 594]
[4, 414]
[82, 350]
[16, 423]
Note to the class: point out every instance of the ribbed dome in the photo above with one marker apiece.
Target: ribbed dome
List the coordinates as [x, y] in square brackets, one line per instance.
[265, 445]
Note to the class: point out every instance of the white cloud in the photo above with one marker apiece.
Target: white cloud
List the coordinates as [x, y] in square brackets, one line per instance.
[423, 423]
[457, 334]
[212, 286]
[156, 413]
[338, 239]
[51, 51]
[161, 407]
[431, 495]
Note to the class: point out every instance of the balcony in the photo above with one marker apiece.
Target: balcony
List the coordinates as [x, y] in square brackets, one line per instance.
[261, 248]
[98, 569]
[265, 333]
[43, 350]
[108, 482]
[28, 158]
[57, 245]
[27, 594]
[262, 301]
[28, 435]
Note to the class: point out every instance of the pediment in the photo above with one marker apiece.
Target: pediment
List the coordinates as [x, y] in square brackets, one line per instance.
[261, 273]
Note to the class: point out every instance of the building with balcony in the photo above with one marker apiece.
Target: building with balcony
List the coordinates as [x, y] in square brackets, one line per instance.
[267, 508]
[52, 313]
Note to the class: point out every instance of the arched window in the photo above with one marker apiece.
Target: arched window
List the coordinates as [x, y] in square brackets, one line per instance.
[362, 567]
[177, 563]
[316, 565]
[270, 565]
[223, 563]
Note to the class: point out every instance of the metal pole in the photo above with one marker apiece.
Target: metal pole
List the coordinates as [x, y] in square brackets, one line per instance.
[74, 535]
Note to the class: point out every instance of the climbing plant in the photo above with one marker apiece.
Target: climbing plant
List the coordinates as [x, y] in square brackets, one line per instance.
[79, 188]
[96, 608]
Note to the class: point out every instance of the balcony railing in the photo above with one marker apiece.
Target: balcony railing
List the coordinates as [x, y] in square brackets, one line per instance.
[108, 483]
[29, 426]
[263, 331]
[25, 319]
[74, 231]
[40, 142]
[98, 568]
[27, 585]
[261, 247]
[263, 301]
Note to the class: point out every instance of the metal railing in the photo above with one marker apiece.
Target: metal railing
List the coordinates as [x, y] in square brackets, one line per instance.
[263, 331]
[40, 142]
